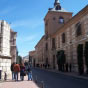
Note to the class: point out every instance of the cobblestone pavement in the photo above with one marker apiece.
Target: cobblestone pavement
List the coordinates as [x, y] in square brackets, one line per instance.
[19, 84]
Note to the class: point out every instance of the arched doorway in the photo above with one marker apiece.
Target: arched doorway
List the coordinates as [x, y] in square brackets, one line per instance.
[80, 58]
[53, 61]
[46, 63]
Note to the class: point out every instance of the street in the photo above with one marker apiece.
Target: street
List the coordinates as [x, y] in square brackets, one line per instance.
[56, 80]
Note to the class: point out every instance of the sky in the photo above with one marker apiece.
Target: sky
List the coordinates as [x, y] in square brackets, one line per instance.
[26, 17]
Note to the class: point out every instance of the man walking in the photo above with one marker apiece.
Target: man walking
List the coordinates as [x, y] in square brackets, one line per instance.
[12, 70]
[16, 71]
[29, 73]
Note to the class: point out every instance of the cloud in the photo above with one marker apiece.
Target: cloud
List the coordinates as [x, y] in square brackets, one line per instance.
[27, 23]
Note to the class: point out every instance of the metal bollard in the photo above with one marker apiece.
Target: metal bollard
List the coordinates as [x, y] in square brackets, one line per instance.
[36, 79]
[42, 84]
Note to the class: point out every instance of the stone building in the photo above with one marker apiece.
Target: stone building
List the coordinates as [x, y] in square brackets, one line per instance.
[5, 56]
[25, 59]
[62, 32]
[54, 19]
[71, 35]
[13, 47]
[40, 54]
[7, 48]
[32, 58]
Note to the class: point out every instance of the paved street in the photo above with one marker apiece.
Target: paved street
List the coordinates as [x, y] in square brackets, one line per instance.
[20, 84]
[56, 80]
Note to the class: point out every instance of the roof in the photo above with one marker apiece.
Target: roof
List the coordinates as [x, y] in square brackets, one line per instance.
[61, 10]
[40, 40]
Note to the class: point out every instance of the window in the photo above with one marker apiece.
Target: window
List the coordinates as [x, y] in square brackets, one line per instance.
[1, 29]
[0, 43]
[54, 18]
[46, 46]
[58, 42]
[53, 43]
[61, 20]
[46, 23]
[63, 38]
[78, 29]
[58, 7]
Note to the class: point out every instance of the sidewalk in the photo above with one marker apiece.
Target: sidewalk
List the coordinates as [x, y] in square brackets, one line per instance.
[19, 84]
[72, 74]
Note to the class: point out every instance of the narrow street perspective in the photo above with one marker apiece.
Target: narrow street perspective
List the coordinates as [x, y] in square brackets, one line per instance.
[43, 43]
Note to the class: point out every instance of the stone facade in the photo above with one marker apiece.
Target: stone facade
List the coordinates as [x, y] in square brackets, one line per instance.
[71, 39]
[32, 58]
[13, 47]
[40, 54]
[61, 33]
[5, 57]
[26, 59]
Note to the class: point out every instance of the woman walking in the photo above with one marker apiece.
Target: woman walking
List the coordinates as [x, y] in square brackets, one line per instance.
[22, 71]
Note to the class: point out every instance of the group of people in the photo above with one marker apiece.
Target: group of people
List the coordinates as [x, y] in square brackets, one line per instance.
[22, 69]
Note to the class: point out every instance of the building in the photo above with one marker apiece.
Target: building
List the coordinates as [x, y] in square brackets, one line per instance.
[40, 48]
[63, 33]
[70, 36]
[26, 59]
[54, 19]
[5, 56]
[7, 48]
[13, 47]
[32, 58]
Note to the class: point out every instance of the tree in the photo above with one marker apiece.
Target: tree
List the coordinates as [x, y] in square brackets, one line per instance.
[80, 59]
[19, 59]
[86, 56]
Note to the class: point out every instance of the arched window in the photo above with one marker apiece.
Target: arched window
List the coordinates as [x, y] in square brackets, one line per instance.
[61, 20]
[63, 38]
[58, 7]
[53, 43]
[78, 29]
[46, 46]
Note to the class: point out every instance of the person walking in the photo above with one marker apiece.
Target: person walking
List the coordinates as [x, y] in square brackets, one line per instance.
[12, 70]
[22, 71]
[16, 71]
[70, 67]
[29, 73]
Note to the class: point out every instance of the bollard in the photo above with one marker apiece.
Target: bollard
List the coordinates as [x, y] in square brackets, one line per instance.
[42, 84]
[36, 79]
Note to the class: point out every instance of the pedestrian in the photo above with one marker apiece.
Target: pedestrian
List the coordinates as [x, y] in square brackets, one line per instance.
[12, 70]
[70, 67]
[66, 67]
[22, 71]
[29, 72]
[16, 71]
[5, 76]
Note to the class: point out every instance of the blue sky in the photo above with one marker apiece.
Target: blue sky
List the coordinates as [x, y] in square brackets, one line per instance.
[26, 18]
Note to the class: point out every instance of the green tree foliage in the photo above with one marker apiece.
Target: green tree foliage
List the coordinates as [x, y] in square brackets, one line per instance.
[19, 59]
